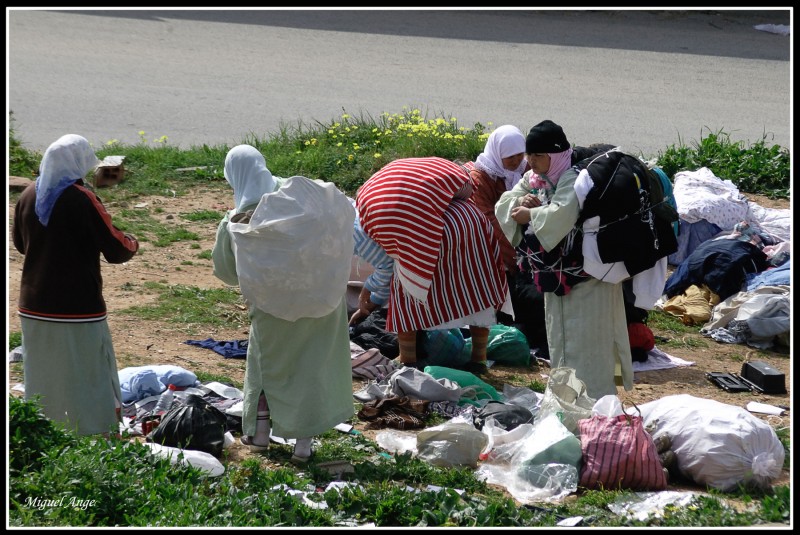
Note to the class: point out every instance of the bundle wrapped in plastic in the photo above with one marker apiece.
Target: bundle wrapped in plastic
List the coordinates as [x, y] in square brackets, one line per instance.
[717, 444]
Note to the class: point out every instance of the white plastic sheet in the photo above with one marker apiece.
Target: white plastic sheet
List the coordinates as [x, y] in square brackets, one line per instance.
[293, 256]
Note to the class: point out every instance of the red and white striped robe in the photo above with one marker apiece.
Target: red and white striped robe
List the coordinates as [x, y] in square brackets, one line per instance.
[447, 260]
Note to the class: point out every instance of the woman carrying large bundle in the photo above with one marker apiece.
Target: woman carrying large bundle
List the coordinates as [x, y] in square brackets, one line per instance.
[448, 272]
[287, 244]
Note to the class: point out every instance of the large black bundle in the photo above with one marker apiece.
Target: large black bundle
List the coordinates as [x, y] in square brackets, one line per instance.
[194, 425]
[635, 213]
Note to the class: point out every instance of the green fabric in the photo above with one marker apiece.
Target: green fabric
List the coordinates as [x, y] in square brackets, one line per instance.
[73, 367]
[482, 389]
[553, 221]
[302, 366]
[587, 331]
[502, 210]
[304, 369]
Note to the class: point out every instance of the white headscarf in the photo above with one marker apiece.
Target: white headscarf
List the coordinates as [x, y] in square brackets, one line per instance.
[505, 141]
[246, 171]
[65, 161]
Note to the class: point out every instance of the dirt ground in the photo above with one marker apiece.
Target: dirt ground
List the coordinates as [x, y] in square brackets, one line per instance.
[139, 342]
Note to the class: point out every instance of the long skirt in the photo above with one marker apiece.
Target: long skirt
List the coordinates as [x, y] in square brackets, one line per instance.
[468, 279]
[72, 367]
[303, 367]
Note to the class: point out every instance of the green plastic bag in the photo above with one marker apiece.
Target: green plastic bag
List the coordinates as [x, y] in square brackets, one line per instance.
[507, 345]
[445, 348]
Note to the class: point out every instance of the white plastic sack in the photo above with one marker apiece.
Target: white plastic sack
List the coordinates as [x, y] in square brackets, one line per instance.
[566, 397]
[538, 463]
[608, 406]
[395, 441]
[293, 256]
[498, 437]
[552, 482]
[454, 443]
[549, 442]
[226, 391]
[717, 444]
[549, 480]
[199, 459]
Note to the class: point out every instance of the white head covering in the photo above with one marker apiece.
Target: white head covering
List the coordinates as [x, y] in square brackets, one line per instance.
[505, 141]
[65, 161]
[246, 171]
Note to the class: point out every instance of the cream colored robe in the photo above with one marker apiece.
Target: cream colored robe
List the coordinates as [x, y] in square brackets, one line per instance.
[303, 366]
[586, 329]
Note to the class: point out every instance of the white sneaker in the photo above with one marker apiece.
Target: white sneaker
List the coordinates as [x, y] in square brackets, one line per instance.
[255, 448]
[302, 450]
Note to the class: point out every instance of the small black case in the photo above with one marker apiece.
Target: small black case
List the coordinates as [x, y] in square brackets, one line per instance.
[763, 377]
[728, 382]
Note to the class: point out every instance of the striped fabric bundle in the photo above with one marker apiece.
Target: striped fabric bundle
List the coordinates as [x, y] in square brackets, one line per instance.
[618, 453]
[372, 365]
[401, 208]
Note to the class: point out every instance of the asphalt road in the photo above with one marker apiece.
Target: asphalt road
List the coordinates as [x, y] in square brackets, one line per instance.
[642, 79]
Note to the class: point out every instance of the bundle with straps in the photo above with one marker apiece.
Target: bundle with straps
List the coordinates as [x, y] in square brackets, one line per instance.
[626, 202]
[557, 270]
[636, 217]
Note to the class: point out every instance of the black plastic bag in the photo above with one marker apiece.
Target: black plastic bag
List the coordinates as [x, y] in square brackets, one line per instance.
[508, 416]
[372, 333]
[194, 425]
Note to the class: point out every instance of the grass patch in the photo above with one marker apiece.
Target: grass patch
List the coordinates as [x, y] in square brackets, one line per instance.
[97, 475]
[785, 436]
[194, 308]
[203, 216]
[21, 161]
[205, 377]
[666, 322]
[14, 339]
[127, 360]
[537, 386]
[761, 167]
[148, 229]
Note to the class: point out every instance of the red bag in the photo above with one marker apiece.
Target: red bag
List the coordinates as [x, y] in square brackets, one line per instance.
[619, 454]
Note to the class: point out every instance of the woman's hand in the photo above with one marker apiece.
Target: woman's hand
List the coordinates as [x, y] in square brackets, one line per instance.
[530, 201]
[365, 307]
[521, 214]
[358, 316]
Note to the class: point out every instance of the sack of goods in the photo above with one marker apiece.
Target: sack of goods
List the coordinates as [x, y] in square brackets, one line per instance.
[194, 425]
